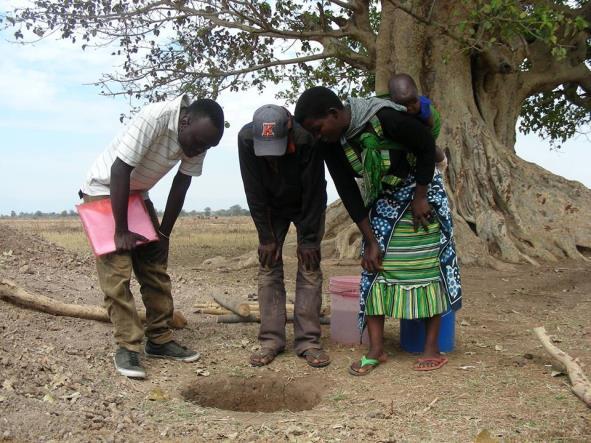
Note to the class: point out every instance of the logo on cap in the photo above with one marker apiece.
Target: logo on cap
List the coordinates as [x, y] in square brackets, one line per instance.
[268, 129]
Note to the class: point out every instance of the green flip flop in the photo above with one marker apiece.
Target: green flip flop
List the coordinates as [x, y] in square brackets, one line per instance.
[369, 363]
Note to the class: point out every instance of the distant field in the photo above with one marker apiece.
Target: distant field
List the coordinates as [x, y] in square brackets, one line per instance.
[193, 240]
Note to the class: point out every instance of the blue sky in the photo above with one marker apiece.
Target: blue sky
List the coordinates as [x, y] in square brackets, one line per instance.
[54, 123]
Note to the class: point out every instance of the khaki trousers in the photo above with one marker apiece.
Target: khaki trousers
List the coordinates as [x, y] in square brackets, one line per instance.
[307, 303]
[114, 272]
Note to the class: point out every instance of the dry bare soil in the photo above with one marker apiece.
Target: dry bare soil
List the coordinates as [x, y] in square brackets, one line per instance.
[57, 380]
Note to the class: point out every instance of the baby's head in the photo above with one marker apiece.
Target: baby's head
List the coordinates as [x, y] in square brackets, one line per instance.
[403, 90]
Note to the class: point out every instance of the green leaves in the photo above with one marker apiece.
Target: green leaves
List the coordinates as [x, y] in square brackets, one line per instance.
[552, 116]
[506, 22]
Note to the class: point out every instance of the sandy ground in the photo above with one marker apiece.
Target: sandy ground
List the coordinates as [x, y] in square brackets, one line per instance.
[57, 380]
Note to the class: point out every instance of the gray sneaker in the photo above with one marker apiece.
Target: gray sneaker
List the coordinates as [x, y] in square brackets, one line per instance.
[128, 363]
[171, 350]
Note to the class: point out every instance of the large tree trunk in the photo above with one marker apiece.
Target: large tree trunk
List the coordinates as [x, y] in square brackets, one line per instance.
[504, 207]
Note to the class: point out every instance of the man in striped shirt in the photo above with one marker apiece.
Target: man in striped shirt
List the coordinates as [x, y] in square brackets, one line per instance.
[158, 138]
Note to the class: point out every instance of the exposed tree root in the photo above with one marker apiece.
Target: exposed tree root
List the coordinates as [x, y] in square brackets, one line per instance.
[580, 383]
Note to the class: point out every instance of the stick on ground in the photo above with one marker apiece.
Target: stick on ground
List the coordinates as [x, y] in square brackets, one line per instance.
[254, 307]
[212, 311]
[237, 307]
[16, 295]
[233, 318]
[255, 318]
[580, 384]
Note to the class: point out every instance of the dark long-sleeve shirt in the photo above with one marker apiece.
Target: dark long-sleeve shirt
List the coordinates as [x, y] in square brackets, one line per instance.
[400, 128]
[290, 186]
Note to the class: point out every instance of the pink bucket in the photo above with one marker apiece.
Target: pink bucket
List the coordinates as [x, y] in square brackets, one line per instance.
[344, 308]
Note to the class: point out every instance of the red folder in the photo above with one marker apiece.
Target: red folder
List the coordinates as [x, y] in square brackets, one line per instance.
[99, 223]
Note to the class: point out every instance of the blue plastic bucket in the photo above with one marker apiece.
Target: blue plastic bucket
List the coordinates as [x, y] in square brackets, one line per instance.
[412, 333]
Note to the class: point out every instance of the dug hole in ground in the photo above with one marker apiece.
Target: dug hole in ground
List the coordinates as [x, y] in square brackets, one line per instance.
[57, 379]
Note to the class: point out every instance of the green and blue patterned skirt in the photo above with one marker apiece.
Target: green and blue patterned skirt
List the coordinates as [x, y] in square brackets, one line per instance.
[410, 286]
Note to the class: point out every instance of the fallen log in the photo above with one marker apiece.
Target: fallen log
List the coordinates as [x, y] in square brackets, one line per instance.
[205, 305]
[254, 318]
[253, 308]
[233, 318]
[237, 307]
[14, 294]
[580, 383]
[215, 309]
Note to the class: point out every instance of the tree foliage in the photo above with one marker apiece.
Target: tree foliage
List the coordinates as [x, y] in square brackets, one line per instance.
[554, 117]
[204, 47]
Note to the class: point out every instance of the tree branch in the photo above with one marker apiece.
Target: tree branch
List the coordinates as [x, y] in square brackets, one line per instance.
[222, 74]
[572, 95]
[353, 58]
[264, 29]
[584, 11]
[272, 64]
[344, 5]
[360, 27]
[257, 25]
[430, 22]
[556, 75]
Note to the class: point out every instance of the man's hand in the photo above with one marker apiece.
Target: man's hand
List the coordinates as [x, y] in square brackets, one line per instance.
[163, 247]
[269, 254]
[127, 240]
[372, 257]
[309, 257]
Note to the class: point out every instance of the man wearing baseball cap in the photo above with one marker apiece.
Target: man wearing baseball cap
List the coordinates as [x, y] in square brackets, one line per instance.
[283, 178]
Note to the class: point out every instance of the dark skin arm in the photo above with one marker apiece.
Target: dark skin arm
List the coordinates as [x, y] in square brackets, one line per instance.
[439, 154]
[257, 198]
[371, 260]
[422, 213]
[125, 240]
[372, 255]
[174, 205]
[415, 136]
[313, 204]
[269, 251]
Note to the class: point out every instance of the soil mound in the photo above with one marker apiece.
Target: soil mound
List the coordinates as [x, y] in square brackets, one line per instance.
[30, 253]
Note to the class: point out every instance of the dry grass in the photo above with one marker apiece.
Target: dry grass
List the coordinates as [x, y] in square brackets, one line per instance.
[66, 232]
[193, 240]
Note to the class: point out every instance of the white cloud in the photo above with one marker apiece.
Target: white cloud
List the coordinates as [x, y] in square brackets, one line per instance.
[48, 94]
[25, 89]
